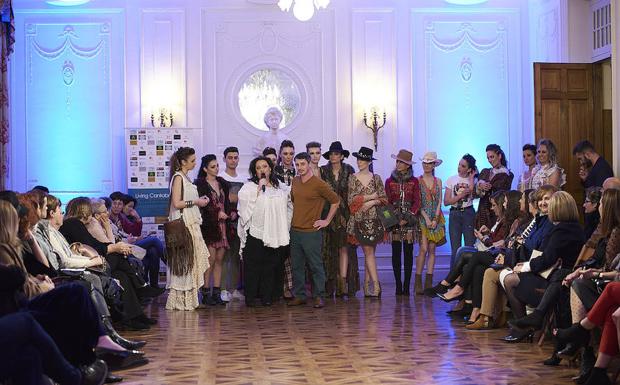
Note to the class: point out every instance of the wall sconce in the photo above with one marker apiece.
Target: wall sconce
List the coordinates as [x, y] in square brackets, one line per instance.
[374, 123]
[165, 118]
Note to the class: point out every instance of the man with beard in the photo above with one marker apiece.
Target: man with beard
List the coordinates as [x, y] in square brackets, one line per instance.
[599, 169]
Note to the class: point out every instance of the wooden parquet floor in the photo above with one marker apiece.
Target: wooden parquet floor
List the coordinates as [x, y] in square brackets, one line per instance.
[408, 340]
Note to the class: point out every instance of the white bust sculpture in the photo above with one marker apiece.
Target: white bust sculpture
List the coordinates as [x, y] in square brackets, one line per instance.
[273, 137]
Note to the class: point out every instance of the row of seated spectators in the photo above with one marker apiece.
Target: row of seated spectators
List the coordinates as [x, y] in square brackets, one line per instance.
[537, 255]
[68, 281]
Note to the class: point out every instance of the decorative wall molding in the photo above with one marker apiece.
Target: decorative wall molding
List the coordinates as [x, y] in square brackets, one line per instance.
[237, 43]
[467, 77]
[67, 105]
[163, 70]
[374, 73]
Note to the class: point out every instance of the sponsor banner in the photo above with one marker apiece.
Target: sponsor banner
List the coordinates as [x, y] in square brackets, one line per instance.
[151, 202]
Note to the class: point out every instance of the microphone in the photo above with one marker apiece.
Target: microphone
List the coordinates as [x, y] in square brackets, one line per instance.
[262, 176]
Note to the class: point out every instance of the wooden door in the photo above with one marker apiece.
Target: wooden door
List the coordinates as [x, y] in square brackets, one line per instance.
[564, 113]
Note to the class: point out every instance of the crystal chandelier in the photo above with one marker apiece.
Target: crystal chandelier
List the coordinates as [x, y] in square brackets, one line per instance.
[303, 10]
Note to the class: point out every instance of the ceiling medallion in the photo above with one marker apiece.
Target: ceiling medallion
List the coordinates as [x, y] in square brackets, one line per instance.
[303, 10]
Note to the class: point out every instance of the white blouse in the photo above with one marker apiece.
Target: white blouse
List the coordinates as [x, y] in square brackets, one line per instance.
[541, 175]
[267, 215]
[191, 215]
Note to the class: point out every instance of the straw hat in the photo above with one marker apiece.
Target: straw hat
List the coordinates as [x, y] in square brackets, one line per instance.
[431, 157]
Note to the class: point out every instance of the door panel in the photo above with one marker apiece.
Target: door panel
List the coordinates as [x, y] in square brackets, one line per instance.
[564, 113]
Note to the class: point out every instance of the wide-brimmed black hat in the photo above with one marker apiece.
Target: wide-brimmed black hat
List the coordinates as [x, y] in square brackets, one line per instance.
[364, 153]
[336, 147]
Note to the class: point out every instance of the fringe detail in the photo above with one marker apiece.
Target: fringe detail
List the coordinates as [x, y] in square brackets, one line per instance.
[180, 251]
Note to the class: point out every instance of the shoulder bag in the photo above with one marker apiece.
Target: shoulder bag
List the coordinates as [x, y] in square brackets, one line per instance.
[179, 243]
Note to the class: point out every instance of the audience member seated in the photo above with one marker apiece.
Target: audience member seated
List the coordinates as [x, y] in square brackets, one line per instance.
[545, 272]
[28, 352]
[586, 282]
[66, 313]
[604, 314]
[129, 223]
[79, 212]
[105, 291]
[591, 210]
[486, 238]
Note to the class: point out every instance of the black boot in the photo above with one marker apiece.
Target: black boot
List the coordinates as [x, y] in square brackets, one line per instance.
[576, 334]
[406, 286]
[399, 288]
[587, 363]
[531, 321]
[598, 377]
[216, 297]
[113, 334]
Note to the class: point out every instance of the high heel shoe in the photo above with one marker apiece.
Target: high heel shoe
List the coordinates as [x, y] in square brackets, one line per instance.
[442, 296]
[520, 335]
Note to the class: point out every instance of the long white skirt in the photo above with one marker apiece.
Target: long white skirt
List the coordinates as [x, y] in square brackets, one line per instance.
[183, 293]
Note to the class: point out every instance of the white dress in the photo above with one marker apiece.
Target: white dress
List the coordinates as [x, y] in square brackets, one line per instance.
[183, 293]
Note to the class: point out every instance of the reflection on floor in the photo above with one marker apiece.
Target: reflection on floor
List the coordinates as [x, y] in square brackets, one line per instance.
[395, 340]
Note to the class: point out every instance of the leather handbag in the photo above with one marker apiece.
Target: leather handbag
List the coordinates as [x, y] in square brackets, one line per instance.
[387, 216]
[179, 243]
[89, 252]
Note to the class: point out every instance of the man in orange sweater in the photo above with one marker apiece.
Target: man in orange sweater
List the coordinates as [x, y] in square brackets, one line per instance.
[309, 193]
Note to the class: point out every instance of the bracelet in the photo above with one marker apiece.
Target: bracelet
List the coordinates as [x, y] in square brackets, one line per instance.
[189, 204]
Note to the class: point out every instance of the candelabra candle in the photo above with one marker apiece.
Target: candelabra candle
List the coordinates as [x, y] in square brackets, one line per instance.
[375, 126]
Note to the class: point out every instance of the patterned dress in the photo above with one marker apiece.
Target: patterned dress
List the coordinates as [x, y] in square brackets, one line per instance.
[218, 199]
[430, 198]
[500, 179]
[335, 235]
[541, 175]
[183, 293]
[365, 227]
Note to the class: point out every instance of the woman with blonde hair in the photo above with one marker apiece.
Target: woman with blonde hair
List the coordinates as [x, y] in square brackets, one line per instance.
[547, 171]
[554, 262]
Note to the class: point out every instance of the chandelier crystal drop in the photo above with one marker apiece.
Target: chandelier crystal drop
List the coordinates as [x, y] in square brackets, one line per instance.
[303, 10]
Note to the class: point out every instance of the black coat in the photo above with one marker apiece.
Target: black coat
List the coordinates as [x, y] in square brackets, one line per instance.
[563, 242]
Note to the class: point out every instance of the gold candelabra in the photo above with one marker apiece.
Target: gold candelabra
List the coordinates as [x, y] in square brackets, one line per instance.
[374, 124]
[165, 119]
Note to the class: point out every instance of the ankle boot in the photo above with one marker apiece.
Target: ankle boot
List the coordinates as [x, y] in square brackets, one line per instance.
[482, 323]
[587, 363]
[598, 377]
[367, 289]
[376, 289]
[341, 287]
[417, 286]
[406, 285]
[428, 282]
[399, 288]
[113, 334]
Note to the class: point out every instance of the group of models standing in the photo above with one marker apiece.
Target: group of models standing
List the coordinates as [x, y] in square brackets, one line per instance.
[292, 213]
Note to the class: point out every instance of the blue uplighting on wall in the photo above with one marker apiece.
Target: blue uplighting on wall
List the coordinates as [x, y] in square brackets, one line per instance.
[68, 137]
